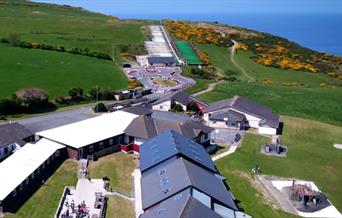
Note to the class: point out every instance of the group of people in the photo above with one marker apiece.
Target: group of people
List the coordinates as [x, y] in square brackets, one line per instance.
[80, 211]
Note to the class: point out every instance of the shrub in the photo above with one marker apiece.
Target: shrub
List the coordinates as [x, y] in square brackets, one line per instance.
[192, 106]
[177, 108]
[100, 108]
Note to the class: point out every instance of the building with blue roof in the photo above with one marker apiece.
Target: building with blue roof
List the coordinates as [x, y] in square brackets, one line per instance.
[169, 144]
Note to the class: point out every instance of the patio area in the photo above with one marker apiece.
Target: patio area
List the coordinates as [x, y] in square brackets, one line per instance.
[87, 200]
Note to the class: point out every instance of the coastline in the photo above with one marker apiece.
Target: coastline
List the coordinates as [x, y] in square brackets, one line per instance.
[312, 31]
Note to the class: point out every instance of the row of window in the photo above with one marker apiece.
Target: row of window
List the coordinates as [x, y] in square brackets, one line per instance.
[7, 149]
[112, 141]
[36, 172]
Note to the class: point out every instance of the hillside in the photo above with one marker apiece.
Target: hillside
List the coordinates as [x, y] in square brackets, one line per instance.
[45, 45]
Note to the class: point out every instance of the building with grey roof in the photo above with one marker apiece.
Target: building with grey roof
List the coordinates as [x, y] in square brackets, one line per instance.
[169, 144]
[181, 98]
[138, 110]
[161, 61]
[176, 174]
[183, 205]
[13, 135]
[224, 113]
[144, 127]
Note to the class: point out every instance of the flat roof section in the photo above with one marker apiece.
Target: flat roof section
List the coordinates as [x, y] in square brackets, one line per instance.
[20, 165]
[188, 53]
[90, 131]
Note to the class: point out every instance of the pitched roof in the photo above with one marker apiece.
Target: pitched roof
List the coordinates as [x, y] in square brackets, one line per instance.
[147, 127]
[90, 131]
[185, 98]
[176, 174]
[138, 110]
[169, 144]
[180, 205]
[228, 115]
[180, 97]
[161, 60]
[249, 107]
[13, 133]
[20, 165]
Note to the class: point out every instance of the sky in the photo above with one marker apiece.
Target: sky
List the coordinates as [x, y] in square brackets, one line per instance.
[158, 7]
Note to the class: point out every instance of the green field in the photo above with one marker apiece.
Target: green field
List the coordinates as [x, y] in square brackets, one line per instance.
[57, 25]
[322, 104]
[45, 201]
[54, 71]
[119, 208]
[311, 156]
[188, 53]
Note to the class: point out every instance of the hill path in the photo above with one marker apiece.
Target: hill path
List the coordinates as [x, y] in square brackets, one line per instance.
[232, 59]
[210, 88]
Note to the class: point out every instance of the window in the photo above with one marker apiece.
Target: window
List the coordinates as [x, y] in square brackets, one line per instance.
[21, 186]
[32, 175]
[27, 181]
[111, 141]
[161, 107]
[43, 165]
[101, 145]
[91, 148]
[214, 122]
[14, 193]
[6, 150]
[13, 147]
[58, 153]
[164, 181]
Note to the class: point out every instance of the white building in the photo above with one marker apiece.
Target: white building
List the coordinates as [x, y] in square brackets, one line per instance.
[241, 113]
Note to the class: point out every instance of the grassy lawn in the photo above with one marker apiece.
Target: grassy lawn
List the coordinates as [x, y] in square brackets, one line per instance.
[119, 208]
[322, 104]
[311, 157]
[57, 25]
[56, 72]
[45, 201]
[220, 58]
[118, 167]
[163, 82]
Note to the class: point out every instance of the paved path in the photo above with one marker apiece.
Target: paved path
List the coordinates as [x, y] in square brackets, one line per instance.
[231, 150]
[121, 196]
[232, 59]
[82, 171]
[137, 190]
[209, 89]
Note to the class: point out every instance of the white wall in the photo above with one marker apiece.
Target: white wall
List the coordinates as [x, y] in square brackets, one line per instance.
[139, 141]
[267, 131]
[163, 106]
[203, 198]
[183, 106]
[224, 211]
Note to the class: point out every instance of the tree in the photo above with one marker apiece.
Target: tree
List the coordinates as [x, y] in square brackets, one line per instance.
[177, 108]
[100, 108]
[75, 92]
[192, 106]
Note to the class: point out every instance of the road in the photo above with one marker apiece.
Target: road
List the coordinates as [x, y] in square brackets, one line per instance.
[232, 59]
[55, 119]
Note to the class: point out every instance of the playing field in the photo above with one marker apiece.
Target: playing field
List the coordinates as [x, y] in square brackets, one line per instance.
[55, 72]
[188, 53]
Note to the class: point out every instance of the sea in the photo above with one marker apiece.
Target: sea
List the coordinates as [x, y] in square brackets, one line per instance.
[318, 31]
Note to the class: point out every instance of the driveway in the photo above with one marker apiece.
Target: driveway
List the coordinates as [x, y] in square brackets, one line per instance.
[226, 136]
